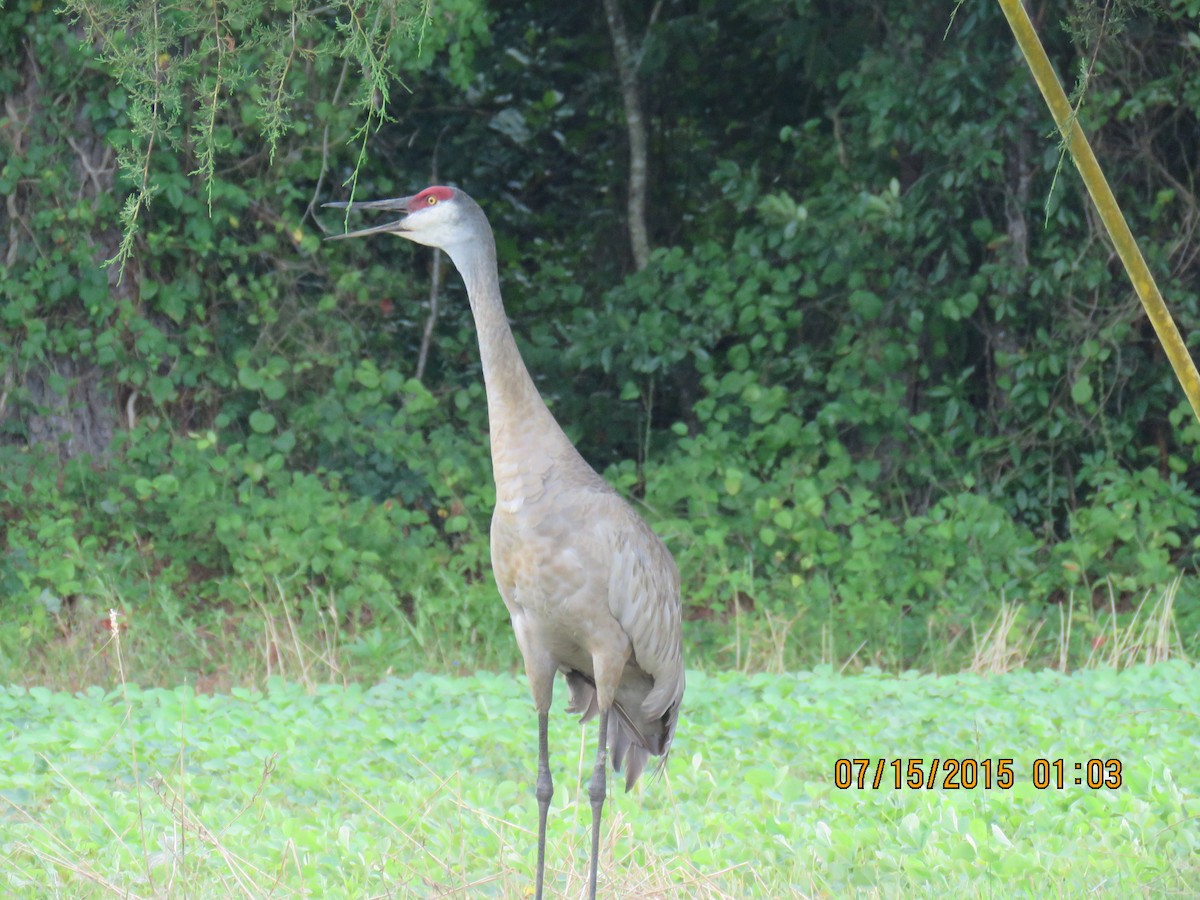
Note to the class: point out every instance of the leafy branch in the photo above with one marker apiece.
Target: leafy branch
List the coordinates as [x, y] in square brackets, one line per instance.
[181, 65]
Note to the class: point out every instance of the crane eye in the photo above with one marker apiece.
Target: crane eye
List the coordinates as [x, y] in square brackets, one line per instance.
[431, 199]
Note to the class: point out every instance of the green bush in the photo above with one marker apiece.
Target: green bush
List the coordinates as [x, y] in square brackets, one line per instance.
[880, 376]
[217, 523]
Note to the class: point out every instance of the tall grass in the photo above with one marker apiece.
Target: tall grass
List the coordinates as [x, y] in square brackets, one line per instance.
[1146, 636]
[303, 634]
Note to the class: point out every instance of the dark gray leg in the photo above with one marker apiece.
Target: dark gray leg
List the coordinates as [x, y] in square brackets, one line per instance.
[596, 794]
[544, 791]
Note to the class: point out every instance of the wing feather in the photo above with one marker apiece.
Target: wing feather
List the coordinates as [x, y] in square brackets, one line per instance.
[644, 597]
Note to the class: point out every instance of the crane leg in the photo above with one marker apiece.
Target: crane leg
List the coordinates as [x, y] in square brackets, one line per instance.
[596, 795]
[544, 791]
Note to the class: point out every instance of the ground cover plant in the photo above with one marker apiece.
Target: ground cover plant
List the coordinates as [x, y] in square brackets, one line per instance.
[879, 377]
[421, 786]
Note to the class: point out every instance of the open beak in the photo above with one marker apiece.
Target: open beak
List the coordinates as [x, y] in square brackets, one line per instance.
[395, 227]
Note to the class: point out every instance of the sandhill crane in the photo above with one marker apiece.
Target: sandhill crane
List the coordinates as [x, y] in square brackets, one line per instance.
[590, 589]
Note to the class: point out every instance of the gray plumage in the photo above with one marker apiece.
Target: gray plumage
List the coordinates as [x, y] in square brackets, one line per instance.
[590, 589]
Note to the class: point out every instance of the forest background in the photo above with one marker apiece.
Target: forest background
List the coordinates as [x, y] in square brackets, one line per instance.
[810, 282]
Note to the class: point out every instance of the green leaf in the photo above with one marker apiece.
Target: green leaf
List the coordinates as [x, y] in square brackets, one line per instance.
[1081, 390]
[739, 357]
[173, 305]
[733, 482]
[249, 378]
[262, 422]
[866, 304]
[274, 389]
[367, 375]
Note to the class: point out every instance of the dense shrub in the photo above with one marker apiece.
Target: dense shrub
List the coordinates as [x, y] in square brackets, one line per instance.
[882, 371]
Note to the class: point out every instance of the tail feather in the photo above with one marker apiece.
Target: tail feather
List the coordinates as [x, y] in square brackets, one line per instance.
[628, 747]
[626, 752]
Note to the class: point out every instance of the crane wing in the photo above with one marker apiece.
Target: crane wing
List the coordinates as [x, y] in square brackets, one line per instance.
[643, 596]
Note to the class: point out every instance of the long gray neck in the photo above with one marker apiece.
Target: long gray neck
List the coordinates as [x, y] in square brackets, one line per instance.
[516, 410]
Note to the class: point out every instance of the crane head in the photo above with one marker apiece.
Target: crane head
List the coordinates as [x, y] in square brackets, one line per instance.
[436, 217]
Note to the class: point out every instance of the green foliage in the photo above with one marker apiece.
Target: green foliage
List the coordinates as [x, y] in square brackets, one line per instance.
[1132, 529]
[217, 81]
[751, 809]
[880, 377]
[216, 520]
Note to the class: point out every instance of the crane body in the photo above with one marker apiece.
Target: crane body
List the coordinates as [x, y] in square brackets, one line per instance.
[591, 591]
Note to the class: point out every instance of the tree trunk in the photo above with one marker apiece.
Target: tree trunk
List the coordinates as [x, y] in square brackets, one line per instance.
[627, 64]
[78, 422]
[1003, 341]
[61, 399]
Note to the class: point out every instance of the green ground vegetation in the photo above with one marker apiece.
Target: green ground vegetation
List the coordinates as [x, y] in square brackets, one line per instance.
[422, 785]
[880, 385]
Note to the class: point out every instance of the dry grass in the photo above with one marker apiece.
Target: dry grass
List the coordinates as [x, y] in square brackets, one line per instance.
[760, 642]
[295, 637]
[1004, 646]
[309, 659]
[1148, 636]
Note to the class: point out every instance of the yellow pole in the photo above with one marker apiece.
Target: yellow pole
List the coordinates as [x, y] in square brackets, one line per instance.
[1106, 203]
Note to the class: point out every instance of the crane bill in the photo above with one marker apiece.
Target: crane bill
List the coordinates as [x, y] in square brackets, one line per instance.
[394, 203]
[393, 227]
